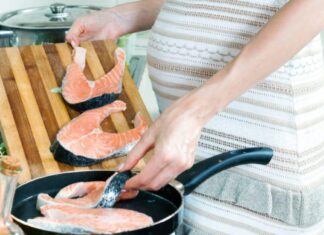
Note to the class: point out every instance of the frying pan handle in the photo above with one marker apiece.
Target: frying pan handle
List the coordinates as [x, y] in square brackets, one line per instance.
[202, 170]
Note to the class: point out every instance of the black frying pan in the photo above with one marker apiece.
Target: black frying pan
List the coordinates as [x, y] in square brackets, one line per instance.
[164, 206]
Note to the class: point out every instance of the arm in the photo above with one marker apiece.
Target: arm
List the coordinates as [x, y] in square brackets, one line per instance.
[284, 35]
[138, 16]
[111, 23]
[174, 145]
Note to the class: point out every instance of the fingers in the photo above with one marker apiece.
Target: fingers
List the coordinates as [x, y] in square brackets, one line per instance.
[165, 177]
[138, 152]
[75, 32]
[73, 44]
[151, 181]
[73, 40]
[162, 179]
[160, 171]
[151, 170]
[128, 194]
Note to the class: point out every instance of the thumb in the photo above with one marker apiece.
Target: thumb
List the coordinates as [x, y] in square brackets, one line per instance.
[75, 32]
[138, 152]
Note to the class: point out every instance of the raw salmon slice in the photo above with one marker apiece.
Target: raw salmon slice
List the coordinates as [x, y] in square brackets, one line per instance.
[116, 215]
[82, 94]
[100, 220]
[82, 142]
[81, 189]
[94, 195]
[71, 226]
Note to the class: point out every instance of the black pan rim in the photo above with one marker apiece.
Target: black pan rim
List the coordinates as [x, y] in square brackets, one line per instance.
[97, 170]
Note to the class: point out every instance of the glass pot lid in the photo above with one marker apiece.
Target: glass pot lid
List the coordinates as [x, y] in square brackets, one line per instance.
[55, 16]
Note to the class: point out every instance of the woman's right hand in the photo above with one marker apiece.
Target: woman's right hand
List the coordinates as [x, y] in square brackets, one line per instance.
[100, 25]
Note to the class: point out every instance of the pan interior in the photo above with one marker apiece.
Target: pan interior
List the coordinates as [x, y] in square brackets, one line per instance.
[158, 205]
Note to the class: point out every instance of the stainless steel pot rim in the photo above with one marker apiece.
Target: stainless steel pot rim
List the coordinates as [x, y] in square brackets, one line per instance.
[8, 15]
[71, 172]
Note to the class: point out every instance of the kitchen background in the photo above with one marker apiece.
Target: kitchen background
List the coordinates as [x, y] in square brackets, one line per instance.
[18, 4]
[135, 44]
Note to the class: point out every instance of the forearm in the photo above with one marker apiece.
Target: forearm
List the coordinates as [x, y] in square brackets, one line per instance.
[138, 16]
[284, 35]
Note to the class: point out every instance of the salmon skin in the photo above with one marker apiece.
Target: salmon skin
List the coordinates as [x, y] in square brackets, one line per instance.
[82, 94]
[82, 142]
[88, 195]
[66, 219]
[95, 102]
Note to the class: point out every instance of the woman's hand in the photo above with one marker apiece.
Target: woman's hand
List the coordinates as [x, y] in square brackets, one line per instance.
[114, 22]
[175, 134]
[174, 137]
[105, 24]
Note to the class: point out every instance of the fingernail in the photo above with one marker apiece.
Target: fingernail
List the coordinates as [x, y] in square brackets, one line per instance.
[73, 44]
[121, 166]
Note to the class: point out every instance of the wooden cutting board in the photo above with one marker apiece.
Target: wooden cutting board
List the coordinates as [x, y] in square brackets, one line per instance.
[31, 115]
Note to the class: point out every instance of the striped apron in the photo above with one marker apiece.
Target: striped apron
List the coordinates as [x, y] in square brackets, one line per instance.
[193, 39]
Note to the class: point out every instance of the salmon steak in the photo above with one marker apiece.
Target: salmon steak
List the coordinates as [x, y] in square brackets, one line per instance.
[66, 219]
[80, 189]
[82, 94]
[82, 142]
[98, 194]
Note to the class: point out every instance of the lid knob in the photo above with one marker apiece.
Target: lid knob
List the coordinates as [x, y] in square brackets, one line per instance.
[57, 8]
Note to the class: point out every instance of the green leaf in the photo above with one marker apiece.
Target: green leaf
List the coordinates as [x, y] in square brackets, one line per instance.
[3, 150]
[56, 90]
[122, 41]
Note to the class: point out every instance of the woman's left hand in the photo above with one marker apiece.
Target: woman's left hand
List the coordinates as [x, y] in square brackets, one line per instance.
[174, 137]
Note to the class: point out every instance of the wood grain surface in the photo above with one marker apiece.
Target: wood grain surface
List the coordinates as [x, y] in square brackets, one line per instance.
[31, 115]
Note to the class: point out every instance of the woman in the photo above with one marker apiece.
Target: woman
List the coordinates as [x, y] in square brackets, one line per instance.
[230, 74]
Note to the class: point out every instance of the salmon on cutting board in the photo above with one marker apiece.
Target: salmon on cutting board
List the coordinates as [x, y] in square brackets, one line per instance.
[32, 115]
[82, 141]
[82, 94]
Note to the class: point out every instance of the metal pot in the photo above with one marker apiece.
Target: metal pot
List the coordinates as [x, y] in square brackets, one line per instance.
[40, 25]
